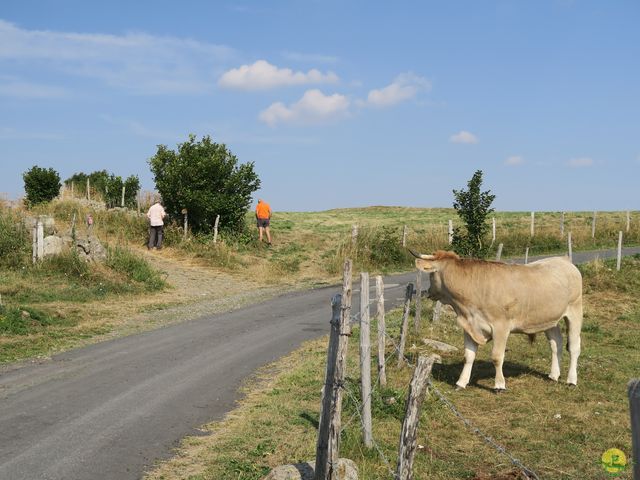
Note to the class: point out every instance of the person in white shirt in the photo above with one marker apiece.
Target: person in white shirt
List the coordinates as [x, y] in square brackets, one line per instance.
[156, 216]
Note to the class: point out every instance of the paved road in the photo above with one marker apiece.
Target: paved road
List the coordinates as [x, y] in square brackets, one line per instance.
[110, 410]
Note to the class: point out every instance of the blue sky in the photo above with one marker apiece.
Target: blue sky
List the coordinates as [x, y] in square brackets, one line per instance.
[338, 103]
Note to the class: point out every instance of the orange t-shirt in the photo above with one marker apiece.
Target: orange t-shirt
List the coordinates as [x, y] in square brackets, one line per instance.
[263, 210]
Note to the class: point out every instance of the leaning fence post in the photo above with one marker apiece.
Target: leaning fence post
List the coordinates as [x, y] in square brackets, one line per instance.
[628, 221]
[215, 229]
[619, 251]
[562, 225]
[570, 246]
[593, 226]
[493, 230]
[633, 389]
[409, 432]
[382, 375]
[436, 312]
[526, 256]
[499, 254]
[327, 448]
[365, 360]
[418, 316]
[405, 323]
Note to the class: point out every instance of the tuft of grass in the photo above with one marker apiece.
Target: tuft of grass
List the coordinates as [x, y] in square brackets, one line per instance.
[26, 320]
[135, 268]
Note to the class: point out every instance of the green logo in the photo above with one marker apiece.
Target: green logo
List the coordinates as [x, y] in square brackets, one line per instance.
[614, 461]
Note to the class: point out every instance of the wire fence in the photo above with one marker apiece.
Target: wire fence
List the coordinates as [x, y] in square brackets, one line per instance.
[527, 472]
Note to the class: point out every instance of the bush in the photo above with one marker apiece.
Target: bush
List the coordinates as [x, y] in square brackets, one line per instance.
[205, 179]
[41, 185]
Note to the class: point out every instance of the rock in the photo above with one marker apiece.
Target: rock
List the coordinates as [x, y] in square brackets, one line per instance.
[347, 470]
[390, 401]
[439, 346]
[25, 314]
[52, 245]
[90, 249]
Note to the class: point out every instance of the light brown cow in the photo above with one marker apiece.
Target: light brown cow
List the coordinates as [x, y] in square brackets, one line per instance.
[493, 299]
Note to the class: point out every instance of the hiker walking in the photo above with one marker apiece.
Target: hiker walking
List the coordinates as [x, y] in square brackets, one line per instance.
[156, 216]
[263, 217]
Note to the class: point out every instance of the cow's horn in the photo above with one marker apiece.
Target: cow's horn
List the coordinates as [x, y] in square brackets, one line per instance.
[424, 257]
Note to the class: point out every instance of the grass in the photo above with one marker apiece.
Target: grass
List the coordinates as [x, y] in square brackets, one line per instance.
[558, 431]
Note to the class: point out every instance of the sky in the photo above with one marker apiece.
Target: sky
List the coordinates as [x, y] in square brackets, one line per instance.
[337, 103]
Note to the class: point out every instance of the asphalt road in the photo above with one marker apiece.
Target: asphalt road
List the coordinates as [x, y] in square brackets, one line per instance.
[111, 410]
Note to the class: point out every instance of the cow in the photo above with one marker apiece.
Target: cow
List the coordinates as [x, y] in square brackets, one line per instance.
[493, 299]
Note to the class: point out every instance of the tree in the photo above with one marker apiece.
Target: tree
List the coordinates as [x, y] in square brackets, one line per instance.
[205, 178]
[41, 185]
[472, 207]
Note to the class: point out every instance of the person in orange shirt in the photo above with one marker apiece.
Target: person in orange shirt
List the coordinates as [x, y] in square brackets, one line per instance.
[263, 217]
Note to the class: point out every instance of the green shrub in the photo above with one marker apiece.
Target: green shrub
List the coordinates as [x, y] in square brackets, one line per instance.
[41, 185]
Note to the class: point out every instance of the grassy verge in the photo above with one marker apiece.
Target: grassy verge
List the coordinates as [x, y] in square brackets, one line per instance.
[558, 431]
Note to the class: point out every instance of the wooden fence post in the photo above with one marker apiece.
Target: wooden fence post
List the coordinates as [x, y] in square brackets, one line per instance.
[405, 323]
[186, 222]
[40, 239]
[570, 246]
[382, 374]
[628, 221]
[409, 432]
[354, 233]
[526, 256]
[34, 245]
[215, 229]
[72, 183]
[327, 448]
[493, 230]
[499, 254]
[619, 251]
[533, 223]
[633, 390]
[450, 232]
[365, 360]
[404, 236]
[562, 225]
[122, 199]
[593, 226]
[436, 311]
[88, 190]
[418, 316]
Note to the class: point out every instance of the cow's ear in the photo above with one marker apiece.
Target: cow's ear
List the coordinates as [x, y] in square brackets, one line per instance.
[428, 266]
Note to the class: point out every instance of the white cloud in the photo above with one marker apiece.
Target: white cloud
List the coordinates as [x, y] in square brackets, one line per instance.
[263, 76]
[313, 107]
[580, 162]
[134, 61]
[514, 160]
[13, 134]
[463, 137]
[404, 87]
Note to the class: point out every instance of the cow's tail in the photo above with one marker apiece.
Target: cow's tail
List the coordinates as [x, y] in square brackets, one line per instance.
[532, 338]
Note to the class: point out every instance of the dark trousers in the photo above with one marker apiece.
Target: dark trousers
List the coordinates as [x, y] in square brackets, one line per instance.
[155, 237]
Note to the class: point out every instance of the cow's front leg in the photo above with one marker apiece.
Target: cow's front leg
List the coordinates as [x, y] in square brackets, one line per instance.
[470, 349]
[554, 335]
[497, 355]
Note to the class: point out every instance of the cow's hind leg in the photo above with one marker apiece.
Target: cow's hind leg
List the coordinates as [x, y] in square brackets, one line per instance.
[497, 355]
[574, 326]
[554, 335]
[470, 349]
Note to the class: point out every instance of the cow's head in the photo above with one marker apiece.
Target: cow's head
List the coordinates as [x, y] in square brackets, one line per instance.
[426, 263]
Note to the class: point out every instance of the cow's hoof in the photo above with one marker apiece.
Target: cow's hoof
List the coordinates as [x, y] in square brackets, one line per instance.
[572, 385]
[499, 390]
[458, 388]
[555, 379]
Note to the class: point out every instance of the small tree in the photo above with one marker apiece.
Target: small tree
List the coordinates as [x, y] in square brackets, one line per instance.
[132, 187]
[205, 178]
[41, 185]
[472, 207]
